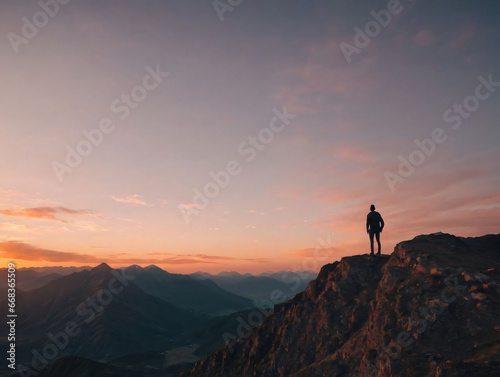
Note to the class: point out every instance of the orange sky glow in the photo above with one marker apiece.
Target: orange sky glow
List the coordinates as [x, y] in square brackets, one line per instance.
[250, 144]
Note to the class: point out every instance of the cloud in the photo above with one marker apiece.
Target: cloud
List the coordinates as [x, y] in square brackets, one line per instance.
[335, 195]
[13, 227]
[182, 261]
[26, 200]
[256, 212]
[464, 36]
[319, 252]
[188, 206]
[449, 200]
[47, 213]
[424, 38]
[213, 257]
[18, 250]
[24, 251]
[325, 81]
[9, 194]
[132, 199]
[355, 154]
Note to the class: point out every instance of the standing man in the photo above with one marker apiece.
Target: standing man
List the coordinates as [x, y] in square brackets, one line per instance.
[374, 226]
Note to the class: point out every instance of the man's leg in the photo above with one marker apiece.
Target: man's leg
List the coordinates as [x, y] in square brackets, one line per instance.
[378, 242]
[371, 242]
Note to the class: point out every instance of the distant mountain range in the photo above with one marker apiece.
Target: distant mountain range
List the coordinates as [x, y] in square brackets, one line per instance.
[28, 279]
[123, 315]
[194, 292]
[199, 295]
[97, 314]
[261, 287]
[36, 277]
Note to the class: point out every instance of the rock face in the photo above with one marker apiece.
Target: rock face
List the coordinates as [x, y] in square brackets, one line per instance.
[431, 308]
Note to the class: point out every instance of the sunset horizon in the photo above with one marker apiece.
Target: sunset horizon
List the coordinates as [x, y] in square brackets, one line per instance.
[235, 188]
[161, 144]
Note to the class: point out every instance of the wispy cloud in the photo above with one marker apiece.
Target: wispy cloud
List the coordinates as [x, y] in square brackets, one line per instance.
[256, 212]
[131, 199]
[9, 194]
[464, 36]
[47, 213]
[14, 197]
[13, 227]
[353, 154]
[424, 38]
[325, 81]
[188, 205]
[333, 195]
[19, 250]
[24, 251]
[317, 252]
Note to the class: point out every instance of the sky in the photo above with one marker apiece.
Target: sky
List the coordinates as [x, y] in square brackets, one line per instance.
[205, 136]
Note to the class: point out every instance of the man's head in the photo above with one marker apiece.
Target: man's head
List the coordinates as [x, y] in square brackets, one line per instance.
[372, 208]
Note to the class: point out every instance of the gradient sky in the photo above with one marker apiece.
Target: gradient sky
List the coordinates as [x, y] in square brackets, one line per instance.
[315, 180]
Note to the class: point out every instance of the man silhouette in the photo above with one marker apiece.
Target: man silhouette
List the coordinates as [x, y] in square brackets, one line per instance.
[374, 226]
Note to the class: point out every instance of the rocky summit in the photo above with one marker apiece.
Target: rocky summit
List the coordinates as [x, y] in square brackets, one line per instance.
[431, 308]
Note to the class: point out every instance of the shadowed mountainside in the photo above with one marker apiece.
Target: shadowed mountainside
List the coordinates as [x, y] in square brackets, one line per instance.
[27, 279]
[79, 367]
[184, 291]
[428, 309]
[100, 323]
[260, 287]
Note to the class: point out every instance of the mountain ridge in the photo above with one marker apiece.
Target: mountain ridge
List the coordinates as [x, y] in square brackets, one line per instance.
[428, 309]
[95, 314]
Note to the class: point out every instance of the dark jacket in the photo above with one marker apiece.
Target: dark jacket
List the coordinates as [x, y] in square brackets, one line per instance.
[374, 222]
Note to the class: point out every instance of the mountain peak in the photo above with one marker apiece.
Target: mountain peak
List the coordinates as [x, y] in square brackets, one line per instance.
[228, 273]
[135, 267]
[102, 267]
[152, 267]
[426, 309]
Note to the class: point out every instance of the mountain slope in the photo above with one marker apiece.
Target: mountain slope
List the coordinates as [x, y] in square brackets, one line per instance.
[79, 367]
[27, 279]
[430, 309]
[202, 296]
[260, 287]
[96, 314]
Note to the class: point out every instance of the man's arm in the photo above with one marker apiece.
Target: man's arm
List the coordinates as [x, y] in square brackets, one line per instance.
[381, 223]
[367, 223]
